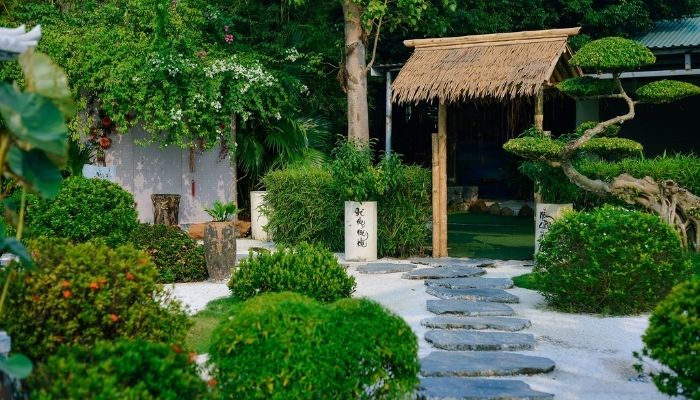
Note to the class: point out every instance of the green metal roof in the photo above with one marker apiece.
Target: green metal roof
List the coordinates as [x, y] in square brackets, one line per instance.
[673, 33]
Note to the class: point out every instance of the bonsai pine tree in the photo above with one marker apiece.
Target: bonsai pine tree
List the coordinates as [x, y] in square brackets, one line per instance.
[676, 205]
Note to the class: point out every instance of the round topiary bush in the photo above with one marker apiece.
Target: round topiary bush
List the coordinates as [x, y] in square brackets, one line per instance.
[175, 254]
[85, 209]
[611, 261]
[83, 293]
[672, 340]
[306, 269]
[288, 346]
[137, 370]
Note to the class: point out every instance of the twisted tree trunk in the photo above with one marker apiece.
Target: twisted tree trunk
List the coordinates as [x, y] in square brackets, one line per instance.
[674, 204]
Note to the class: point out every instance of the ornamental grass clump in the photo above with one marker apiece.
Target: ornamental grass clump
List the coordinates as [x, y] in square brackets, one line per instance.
[288, 346]
[610, 261]
[82, 293]
[672, 340]
[306, 269]
[175, 254]
[133, 370]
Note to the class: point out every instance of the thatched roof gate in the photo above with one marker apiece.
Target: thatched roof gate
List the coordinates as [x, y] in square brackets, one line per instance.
[497, 67]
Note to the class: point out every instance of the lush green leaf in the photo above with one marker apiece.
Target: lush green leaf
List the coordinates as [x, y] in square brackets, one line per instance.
[44, 77]
[36, 170]
[587, 86]
[17, 366]
[34, 119]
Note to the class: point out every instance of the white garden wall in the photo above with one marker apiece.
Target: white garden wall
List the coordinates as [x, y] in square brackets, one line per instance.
[147, 170]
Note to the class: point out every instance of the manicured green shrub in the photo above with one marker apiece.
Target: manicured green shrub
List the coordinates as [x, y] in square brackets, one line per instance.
[306, 269]
[672, 340]
[306, 205]
[404, 212]
[136, 370]
[611, 261]
[613, 54]
[87, 292]
[175, 254]
[666, 91]
[587, 86]
[302, 206]
[85, 209]
[287, 346]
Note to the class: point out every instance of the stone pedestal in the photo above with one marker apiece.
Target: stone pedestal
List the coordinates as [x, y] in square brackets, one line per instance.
[360, 231]
[545, 215]
[257, 219]
[220, 249]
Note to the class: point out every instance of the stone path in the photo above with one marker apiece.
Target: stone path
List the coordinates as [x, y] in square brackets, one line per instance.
[473, 328]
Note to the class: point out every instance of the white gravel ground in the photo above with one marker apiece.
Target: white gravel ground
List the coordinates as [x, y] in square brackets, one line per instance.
[593, 355]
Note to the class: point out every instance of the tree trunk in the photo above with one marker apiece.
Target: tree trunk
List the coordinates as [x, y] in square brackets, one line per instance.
[234, 163]
[166, 208]
[356, 73]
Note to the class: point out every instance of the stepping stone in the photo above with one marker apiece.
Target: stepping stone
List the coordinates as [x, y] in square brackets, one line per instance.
[435, 388]
[475, 363]
[447, 272]
[479, 341]
[454, 262]
[457, 322]
[478, 294]
[466, 283]
[384, 268]
[469, 308]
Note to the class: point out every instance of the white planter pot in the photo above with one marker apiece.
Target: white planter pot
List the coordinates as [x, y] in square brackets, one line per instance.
[258, 220]
[545, 215]
[360, 231]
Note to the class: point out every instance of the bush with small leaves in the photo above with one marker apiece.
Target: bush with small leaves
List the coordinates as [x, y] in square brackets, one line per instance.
[587, 86]
[672, 340]
[666, 91]
[83, 293]
[175, 254]
[613, 54]
[129, 370]
[306, 269]
[85, 209]
[288, 346]
[611, 261]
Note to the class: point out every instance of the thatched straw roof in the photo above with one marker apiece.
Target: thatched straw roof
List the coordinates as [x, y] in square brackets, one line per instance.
[495, 67]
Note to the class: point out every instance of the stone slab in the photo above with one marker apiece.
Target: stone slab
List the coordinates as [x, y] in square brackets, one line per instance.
[473, 294]
[446, 272]
[476, 363]
[454, 262]
[469, 308]
[385, 268]
[477, 323]
[466, 283]
[435, 388]
[462, 340]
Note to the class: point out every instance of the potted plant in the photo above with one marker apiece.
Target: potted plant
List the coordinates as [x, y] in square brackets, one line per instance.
[220, 240]
[554, 195]
[359, 183]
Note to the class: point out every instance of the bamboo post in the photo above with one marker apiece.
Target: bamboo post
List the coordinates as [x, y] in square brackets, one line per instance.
[436, 197]
[442, 157]
[539, 110]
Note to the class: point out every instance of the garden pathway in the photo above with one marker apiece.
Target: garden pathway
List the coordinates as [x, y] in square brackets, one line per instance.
[474, 331]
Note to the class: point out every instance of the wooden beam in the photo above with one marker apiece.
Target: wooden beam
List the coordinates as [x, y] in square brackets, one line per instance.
[436, 197]
[494, 37]
[442, 154]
